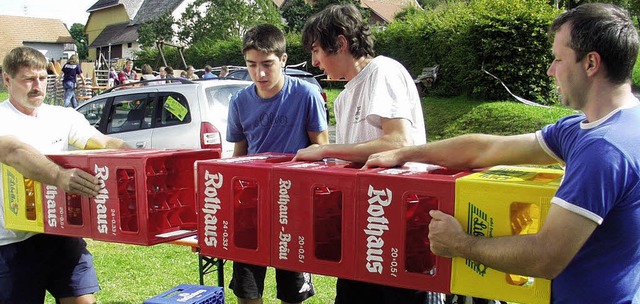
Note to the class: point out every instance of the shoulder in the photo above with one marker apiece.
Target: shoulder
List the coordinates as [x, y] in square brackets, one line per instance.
[298, 85]
[382, 62]
[246, 93]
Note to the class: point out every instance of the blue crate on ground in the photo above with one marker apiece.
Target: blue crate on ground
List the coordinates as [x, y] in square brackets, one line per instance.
[190, 294]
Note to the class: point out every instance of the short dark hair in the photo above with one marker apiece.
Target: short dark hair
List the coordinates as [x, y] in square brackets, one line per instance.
[325, 27]
[23, 57]
[606, 29]
[265, 38]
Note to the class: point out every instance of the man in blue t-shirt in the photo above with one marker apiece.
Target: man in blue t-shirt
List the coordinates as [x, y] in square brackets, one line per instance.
[276, 113]
[589, 243]
[208, 74]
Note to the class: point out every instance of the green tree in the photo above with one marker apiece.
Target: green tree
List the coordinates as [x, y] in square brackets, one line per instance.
[81, 40]
[296, 13]
[224, 19]
[159, 28]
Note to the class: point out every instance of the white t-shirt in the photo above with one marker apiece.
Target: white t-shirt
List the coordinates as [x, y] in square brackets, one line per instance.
[52, 130]
[383, 89]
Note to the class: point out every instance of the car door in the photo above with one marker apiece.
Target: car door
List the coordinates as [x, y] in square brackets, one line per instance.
[174, 124]
[130, 118]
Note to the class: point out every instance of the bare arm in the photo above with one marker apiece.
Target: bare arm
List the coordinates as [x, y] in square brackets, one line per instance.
[320, 138]
[544, 254]
[241, 148]
[468, 152]
[101, 141]
[36, 166]
[396, 135]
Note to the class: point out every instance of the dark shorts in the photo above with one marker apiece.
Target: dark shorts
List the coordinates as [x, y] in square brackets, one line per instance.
[351, 292]
[61, 265]
[247, 282]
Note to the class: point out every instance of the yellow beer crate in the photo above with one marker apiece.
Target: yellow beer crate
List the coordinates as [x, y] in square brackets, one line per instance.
[502, 201]
[22, 199]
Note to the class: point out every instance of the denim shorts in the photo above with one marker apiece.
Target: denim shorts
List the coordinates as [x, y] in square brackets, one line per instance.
[61, 265]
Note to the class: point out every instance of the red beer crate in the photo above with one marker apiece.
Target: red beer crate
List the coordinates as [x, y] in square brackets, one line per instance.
[313, 217]
[234, 207]
[147, 196]
[392, 226]
[68, 214]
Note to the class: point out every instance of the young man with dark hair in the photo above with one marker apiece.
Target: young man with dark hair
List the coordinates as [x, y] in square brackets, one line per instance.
[277, 113]
[378, 110]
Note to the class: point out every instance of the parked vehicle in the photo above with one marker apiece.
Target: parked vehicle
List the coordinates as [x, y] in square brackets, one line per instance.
[154, 114]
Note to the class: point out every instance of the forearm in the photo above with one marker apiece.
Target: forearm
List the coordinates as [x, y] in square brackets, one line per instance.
[474, 151]
[523, 255]
[360, 152]
[105, 142]
[462, 152]
[28, 161]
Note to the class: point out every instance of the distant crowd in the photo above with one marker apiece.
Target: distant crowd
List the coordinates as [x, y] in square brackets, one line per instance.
[128, 74]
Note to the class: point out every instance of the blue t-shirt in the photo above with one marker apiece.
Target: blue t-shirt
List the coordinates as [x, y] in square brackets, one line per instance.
[209, 76]
[280, 123]
[601, 183]
[70, 72]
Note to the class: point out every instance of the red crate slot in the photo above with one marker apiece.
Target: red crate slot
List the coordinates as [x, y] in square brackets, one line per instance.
[327, 223]
[245, 199]
[417, 253]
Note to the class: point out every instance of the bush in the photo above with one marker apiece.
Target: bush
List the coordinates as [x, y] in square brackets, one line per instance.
[507, 37]
[215, 53]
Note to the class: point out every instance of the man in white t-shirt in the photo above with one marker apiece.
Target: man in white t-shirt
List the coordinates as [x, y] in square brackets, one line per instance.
[378, 110]
[31, 263]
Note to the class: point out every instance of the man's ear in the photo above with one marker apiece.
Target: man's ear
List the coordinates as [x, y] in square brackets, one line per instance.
[342, 43]
[593, 62]
[283, 59]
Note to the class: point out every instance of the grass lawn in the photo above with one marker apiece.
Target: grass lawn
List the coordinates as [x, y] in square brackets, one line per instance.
[132, 274]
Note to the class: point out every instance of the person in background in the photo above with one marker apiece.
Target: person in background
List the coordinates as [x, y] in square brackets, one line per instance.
[223, 71]
[70, 71]
[162, 73]
[113, 77]
[128, 75]
[277, 113]
[589, 243]
[208, 74]
[378, 110]
[191, 73]
[51, 69]
[32, 263]
[184, 75]
[169, 71]
[147, 72]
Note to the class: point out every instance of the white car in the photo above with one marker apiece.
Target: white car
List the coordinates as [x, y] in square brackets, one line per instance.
[153, 114]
